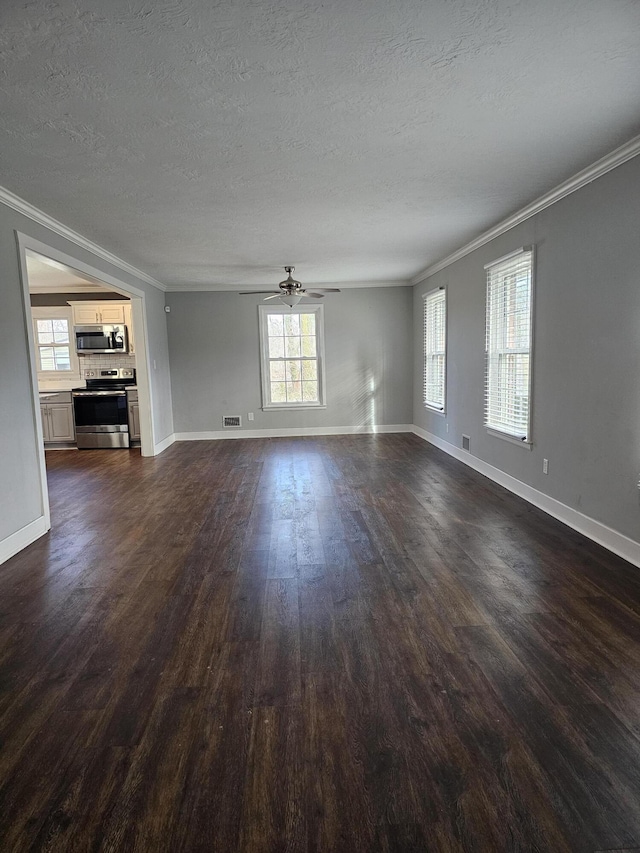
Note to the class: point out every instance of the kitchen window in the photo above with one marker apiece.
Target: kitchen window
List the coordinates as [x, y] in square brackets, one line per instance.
[292, 357]
[509, 339]
[53, 339]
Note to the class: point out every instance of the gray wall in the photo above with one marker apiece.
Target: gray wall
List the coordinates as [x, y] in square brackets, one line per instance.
[19, 477]
[215, 363]
[586, 380]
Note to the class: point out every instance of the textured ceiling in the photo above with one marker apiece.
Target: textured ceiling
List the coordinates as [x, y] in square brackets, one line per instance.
[214, 142]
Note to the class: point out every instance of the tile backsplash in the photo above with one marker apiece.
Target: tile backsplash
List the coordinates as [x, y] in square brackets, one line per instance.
[86, 362]
[98, 362]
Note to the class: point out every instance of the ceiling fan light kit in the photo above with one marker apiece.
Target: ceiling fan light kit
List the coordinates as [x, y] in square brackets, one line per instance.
[292, 300]
[291, 291]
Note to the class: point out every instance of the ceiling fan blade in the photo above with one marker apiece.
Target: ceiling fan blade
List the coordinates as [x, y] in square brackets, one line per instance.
[256, 292]
[315, 295]
[328, 290]
[275, 296]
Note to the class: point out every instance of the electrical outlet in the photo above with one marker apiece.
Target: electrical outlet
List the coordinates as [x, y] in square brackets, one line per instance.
[447, 427]
[250, 416]
[545, 466]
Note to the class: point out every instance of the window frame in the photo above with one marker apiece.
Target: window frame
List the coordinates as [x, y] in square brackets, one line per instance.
[263, 313]
[55, 312]
[525, 441]
[438, 291]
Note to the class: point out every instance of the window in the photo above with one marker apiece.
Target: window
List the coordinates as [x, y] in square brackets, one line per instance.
[292, 346]
[508, 369]
[435, 342]
[53, 338]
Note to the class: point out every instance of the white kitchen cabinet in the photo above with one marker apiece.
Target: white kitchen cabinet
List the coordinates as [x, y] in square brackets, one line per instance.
[44, 414]
[88, 313]
[61, 422]
[85, 315]
[134, 414]
[128, 321]
[134, 422]
[112, 313]
[56, 411]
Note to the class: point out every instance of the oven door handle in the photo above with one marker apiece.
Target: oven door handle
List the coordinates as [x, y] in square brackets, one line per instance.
[98, 393]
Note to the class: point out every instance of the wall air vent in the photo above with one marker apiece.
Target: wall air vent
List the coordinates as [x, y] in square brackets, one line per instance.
[231, 421]
[466, 442]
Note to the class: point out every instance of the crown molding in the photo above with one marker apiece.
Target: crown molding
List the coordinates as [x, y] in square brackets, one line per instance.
[580, 179]
[37, 215]
[342, 285]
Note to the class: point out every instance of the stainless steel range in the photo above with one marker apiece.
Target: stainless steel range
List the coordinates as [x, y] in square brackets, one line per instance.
[100, 409]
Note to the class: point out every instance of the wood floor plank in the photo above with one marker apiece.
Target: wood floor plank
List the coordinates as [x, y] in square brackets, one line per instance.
[279, 682]
[570, 758]
[336, 644]
[215, 770]
[273, 815]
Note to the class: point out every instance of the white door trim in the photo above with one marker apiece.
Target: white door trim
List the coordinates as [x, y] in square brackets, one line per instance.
[139, 314]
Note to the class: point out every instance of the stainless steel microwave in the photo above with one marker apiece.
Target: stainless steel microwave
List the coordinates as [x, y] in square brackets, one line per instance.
[99, 339]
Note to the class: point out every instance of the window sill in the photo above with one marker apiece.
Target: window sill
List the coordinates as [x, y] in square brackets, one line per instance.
[433, 410]
[527, 445]
[291, 408]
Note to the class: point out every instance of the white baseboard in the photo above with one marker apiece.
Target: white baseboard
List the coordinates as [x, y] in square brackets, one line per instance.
[291, 432]
[616, 542]
[162, 445]
[21, 538]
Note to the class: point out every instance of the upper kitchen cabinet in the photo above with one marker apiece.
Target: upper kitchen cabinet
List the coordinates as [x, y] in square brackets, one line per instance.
[112, 313]
[88, 313]
[128, 321]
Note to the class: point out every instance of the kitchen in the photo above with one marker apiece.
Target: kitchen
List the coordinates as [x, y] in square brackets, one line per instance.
[85, 355]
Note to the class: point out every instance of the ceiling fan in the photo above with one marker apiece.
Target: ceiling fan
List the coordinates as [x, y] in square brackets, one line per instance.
[291, 291]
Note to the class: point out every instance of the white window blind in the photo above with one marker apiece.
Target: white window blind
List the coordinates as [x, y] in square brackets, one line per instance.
[508, 386]
[435, 342]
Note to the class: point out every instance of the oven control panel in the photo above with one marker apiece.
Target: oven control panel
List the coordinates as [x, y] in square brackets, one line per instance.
[109, 373]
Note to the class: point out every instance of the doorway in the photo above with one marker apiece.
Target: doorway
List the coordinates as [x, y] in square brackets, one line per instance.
[55, 283]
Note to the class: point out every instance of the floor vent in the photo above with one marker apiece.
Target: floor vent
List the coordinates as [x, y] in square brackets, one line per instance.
[231, 421]
[466, 442]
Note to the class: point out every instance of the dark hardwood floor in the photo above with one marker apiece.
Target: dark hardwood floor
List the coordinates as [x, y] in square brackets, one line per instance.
[336, 644]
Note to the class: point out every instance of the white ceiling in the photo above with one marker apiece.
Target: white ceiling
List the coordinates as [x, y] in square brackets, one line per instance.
[47, 276]
[213, 142]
